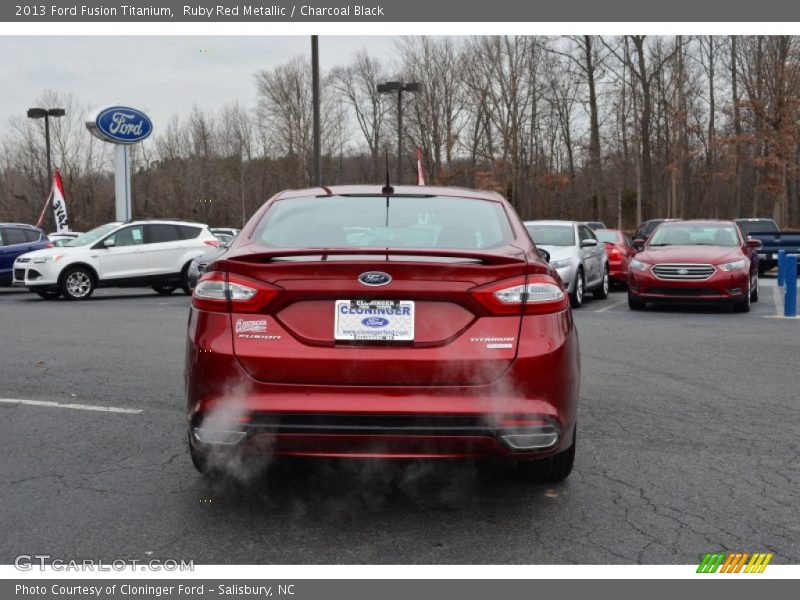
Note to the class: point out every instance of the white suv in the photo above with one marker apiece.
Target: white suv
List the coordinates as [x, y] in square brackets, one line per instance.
[138, 253]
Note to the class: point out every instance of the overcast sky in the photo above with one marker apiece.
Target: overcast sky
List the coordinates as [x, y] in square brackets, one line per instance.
[161, 75]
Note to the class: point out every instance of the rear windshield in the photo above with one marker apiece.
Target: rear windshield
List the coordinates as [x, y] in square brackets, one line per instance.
[607, 235]
[552, 235]
[378, 221]
[749, 227]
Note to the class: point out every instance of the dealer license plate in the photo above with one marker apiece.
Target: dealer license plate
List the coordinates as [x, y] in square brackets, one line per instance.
[374, 320]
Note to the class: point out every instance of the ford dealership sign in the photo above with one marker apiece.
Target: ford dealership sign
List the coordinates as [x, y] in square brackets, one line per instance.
[119, 125]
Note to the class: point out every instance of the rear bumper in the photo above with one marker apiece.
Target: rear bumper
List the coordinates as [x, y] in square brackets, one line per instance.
[618, 271]
[347, 436]
[529, 411]
[721, 287]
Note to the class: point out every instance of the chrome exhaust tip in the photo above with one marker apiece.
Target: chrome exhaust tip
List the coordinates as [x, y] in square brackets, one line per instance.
[219, 437]
[542, 439]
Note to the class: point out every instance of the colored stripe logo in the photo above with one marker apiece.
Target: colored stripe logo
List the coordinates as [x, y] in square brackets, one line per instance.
[734, 562]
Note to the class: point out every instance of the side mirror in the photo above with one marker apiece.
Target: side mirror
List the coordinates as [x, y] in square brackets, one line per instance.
[751, 243]
[588, 243]
[638, 244]
[109, 243]
[544, 254]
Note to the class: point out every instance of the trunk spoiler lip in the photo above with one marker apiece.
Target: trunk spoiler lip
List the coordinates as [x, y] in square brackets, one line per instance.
[509, 254]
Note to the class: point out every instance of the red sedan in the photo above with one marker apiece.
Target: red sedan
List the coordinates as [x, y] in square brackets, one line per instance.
[695, 261]
[620, 250]
[361, 322]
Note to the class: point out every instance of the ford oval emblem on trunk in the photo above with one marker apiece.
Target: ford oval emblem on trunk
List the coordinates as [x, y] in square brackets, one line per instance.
[375, 278]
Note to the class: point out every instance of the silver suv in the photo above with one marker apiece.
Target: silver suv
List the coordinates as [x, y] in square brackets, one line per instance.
[577, 255]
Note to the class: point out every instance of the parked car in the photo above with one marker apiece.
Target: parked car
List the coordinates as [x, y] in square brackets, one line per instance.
[17, 239]
[198, 266]
[620, 250]
[646, 229]
[595, 225]
[414, 322]
[772, 241]
[576, 254]
[695, 261]
[62, 239]
[137, 253]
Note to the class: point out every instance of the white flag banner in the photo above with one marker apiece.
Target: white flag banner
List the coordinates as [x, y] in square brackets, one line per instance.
[59, 204]
[420, 169]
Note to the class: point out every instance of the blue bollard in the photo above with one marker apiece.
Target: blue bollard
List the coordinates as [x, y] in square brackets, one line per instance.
[781, 266]
[790, 283]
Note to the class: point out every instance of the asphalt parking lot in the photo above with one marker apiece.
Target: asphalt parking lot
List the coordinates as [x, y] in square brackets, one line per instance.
[689, 437]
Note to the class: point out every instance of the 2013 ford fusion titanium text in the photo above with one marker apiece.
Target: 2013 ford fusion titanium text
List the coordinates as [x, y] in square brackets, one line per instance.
[361, 322]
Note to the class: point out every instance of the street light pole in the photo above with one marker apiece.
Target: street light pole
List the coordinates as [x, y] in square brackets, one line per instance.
[399, 135]
[47, 144]
[316, 102]
[399, 87]
[46, 113]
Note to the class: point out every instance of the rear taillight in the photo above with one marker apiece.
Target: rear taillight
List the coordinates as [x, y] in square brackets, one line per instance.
[228, 292]
[534, 295]
[214, 243]
[613, 251]
[49, 245]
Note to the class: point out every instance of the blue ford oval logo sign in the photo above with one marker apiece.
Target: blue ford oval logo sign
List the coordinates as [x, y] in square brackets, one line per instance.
[375, 278]
[375, 322]
[121, 125]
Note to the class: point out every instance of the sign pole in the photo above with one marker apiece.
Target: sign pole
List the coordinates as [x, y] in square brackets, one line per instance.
[122, 182]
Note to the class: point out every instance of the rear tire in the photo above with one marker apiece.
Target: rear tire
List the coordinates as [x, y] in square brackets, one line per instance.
[164, 290]
[551, 469]
[76, 284]
[601, 293]
[634, 303]
[576, 297]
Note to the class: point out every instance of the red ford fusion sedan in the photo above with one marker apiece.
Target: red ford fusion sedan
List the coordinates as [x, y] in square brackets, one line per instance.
[366, 322]
[695, 261]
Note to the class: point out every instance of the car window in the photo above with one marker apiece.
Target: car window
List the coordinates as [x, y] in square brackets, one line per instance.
[189, 232]
[651, 225]
[162, 232]
[758, 225]
[31, 235]
[129, 236]
[607, 235]
[12, 236]
[90, 237]
[584, 233]
[381, 222]
[551, 235]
